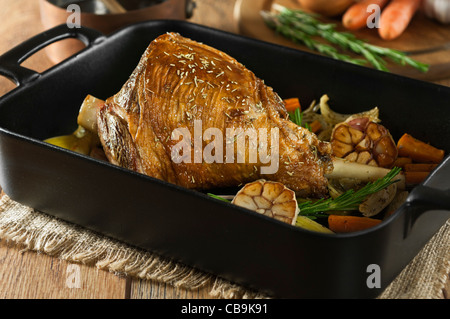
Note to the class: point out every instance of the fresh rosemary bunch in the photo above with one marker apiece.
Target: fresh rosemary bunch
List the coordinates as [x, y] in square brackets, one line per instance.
[350, 200]
[304, 28]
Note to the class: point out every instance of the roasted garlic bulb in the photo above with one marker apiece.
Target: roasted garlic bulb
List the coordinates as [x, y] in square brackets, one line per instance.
[272, 199]
[275, 200]
[364, 141]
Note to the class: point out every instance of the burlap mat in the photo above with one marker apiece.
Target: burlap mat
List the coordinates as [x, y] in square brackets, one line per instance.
[423, 278]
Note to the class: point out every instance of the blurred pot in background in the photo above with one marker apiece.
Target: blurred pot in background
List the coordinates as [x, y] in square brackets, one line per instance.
[106, 16]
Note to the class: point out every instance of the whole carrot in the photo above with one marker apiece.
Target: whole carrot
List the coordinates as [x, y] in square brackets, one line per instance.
[396, 17]
[356, 16]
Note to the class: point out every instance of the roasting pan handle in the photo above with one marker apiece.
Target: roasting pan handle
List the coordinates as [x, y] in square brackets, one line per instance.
[10, 61]
[431, 198]
[432, 195]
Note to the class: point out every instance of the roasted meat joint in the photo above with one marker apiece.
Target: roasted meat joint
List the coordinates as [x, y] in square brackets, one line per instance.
[194, 116]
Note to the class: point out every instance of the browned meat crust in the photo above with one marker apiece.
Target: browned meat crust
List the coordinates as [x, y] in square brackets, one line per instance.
[180, 83]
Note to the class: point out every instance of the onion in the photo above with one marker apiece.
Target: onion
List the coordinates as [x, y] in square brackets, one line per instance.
[326, 7]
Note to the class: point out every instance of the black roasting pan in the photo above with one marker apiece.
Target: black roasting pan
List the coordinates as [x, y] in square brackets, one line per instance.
[187, 226]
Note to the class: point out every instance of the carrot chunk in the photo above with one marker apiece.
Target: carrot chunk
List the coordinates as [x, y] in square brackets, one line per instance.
[316, 126]
[419, 151]
[347, 224]
[292, 104]
[420, 167]
[402, 161]
[415, 178]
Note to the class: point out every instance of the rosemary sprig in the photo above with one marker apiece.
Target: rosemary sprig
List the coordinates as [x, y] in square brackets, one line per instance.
[350, 200]
[303, 28]
[297, 118]
[218, 197]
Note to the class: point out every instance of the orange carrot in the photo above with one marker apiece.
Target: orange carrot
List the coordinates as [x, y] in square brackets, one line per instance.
[420, 167]
[347, 224]
[402, 161]
[419, 151]
[396, 17]
[315, 126]
[356, 16]
[415, 178]
[292, 104]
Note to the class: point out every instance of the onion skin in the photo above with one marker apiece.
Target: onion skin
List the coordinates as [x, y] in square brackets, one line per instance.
[326, 7]
[437, 10]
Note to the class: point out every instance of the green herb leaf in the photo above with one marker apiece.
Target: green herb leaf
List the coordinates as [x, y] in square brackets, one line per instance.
[218, 197]
[297, 118]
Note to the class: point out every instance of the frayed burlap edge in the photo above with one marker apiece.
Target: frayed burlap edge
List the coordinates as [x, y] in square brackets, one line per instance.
[424, 278]
[426, 275]
[46, 234]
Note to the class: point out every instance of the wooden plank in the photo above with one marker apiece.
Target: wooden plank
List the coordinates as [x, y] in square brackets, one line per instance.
[147, 289]
[30, 275]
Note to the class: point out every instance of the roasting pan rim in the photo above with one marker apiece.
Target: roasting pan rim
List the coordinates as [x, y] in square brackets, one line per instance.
[386, 224]
[178, 25]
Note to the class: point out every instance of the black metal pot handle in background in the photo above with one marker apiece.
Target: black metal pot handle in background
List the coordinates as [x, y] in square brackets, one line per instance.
[10, 61]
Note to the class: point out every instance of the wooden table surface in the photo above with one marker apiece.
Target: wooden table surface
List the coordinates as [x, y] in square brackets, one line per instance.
[37, 276]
